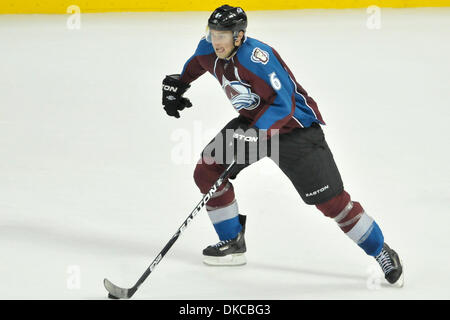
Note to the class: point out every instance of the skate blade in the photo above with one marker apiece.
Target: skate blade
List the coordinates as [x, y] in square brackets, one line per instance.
[236, 259]
[401, 281]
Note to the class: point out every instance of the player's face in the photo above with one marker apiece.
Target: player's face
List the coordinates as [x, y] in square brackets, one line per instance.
[222, 42]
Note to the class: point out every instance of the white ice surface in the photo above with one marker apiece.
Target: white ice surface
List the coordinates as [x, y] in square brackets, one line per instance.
[88, 177]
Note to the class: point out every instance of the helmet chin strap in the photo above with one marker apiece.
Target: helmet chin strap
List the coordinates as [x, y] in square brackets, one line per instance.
[232, 52]
[235, 48]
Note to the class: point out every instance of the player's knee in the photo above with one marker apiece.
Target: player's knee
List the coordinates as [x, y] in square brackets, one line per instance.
[206, 174]
[335, 205]
[343, 210]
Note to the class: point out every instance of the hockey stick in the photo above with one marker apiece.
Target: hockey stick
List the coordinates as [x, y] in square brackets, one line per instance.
[116, 292]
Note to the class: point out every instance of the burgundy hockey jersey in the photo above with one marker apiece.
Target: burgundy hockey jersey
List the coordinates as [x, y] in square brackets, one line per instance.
[258, 84]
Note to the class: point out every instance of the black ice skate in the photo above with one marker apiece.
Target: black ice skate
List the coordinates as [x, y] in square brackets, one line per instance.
[391, 264]
[228, 252]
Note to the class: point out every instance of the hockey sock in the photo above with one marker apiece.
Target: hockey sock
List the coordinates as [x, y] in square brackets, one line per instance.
[354, 222]
[225, 220]
[222, 207]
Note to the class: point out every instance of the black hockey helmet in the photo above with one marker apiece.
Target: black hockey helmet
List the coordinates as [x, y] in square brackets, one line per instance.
[227, 18]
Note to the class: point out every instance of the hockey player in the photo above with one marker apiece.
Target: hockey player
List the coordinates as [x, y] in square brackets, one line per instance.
[271, 103]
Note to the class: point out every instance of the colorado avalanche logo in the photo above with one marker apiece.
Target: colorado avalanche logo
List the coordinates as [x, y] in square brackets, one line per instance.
[259, 56]
[240, 96]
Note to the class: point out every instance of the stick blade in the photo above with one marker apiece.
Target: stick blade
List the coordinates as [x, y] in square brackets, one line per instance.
[115, 291]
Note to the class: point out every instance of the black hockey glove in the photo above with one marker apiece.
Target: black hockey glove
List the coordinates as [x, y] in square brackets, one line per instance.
[172, 98]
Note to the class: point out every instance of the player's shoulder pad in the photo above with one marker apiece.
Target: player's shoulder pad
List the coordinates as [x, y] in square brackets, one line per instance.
[254, 54]
[204, 47]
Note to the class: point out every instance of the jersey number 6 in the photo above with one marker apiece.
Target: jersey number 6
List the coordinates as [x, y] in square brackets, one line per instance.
[276, 84]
